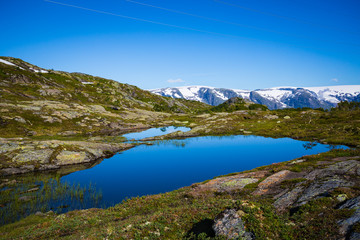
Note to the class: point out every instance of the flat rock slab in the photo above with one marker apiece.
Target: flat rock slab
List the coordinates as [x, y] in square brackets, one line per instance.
[231, 183]
[287, 199]
[274, 179]
[41, 156]
[71, 157]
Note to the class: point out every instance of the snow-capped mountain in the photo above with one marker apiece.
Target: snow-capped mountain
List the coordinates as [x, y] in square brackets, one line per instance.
[273, 98]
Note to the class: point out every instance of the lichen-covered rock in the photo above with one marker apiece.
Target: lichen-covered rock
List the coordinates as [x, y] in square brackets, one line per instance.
[345, 225]
[322, 187]
[8, 146]
[341, 197]
[230, 183]
[50, 92]
[19, 119]
[71, 157]
[41, 156]
[97, 108]
[237, 183]
[51, 119]
[230, 225]
[340, 168]
[271, 117]
[287, 199]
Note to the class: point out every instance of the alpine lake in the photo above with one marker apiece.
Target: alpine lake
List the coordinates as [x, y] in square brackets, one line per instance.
[145, 169]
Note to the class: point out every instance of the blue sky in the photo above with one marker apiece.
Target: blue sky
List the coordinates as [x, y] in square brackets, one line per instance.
[243, 44]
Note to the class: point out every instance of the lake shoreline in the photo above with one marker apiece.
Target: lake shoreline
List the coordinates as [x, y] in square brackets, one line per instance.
[253, 187]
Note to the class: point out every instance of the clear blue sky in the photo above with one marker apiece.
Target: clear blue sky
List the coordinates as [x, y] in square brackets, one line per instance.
[243, 44]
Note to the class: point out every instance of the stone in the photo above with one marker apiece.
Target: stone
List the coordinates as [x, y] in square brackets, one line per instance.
[264, 186]
[71, 157]
[339, 168]
[287, 199]
[230, 225]
[97, 108]
[341, 197]
[42, 156]
[8, 147]
[321, 188]
[19, 119]
[51, 119]
[345, 225]
[50, 92]
[271, 117]
[297, 161]
[237, 183]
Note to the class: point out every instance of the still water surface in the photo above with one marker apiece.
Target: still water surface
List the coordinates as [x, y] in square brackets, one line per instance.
[152, 132]
[144, 170]
[173, 164]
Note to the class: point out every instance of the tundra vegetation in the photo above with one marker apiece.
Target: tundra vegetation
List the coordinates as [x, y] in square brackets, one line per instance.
[53, 120]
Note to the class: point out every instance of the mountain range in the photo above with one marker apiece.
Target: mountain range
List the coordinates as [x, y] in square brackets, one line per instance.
[274, 98]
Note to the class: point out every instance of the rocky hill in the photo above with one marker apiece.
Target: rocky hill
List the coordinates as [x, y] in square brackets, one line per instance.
[273, 98]
[37, 101]
[49, 119]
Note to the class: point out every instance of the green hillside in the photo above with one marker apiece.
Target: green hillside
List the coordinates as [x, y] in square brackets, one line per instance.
[35, 101]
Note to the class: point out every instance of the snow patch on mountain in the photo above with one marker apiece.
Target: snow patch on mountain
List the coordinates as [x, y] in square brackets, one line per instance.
[274, 98]
[7, 62]
[335, 94]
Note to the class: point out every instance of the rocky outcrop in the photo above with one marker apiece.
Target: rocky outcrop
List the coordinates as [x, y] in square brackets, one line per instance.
[230, 183]
[21, 156]
[347, 224]
[71, 157]
[290, 191]
[276, 178]
[321, 188]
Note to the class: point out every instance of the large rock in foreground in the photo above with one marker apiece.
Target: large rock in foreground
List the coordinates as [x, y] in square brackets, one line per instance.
[230, 225]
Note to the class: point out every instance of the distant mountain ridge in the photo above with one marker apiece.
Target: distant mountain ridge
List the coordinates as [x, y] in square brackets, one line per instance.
[274, 98]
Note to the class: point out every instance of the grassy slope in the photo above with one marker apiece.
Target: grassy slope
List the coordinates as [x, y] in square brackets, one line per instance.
[23, 84]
